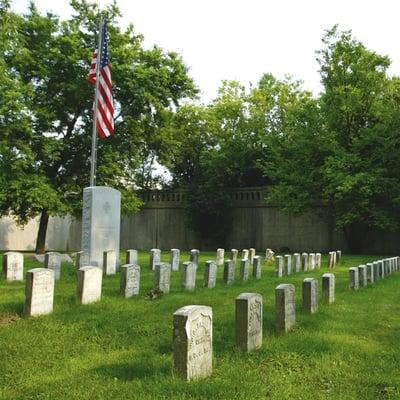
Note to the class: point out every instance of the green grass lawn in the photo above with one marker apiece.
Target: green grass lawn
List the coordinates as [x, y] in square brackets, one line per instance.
[122, 348]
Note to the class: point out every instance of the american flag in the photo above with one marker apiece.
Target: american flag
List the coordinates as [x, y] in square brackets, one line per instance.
[105, 106]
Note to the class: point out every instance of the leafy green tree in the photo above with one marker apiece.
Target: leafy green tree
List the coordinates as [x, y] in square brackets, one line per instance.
[341, 150]
[51, 59]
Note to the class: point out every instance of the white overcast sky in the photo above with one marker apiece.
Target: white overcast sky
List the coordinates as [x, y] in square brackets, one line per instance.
[242, 39]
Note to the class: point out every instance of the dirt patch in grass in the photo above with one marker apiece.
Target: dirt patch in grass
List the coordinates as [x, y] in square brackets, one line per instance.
[8, 319]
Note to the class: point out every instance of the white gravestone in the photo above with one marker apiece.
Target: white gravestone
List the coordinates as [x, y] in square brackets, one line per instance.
[311, 262]
[13, 266]
[328, 288]
[252, 253]
[89, 284]
[297, 262]
[279, 266]
[249, 318]
[192, 342]
[288, 264]
[285, 304]
[101, 217]
[257, 267]
[52, 260]
[39, 292]
[318, 260]
[162, 277]
[244, 269]
[174, 259]
[155, 258]
[362, 275]
[310, 295]
[194, 257]
[210, 274]
[131, 256]
[353, 278]
[245, 254]
[304, 261]
[189, 275]
[229, 272]
[234, 255]
[130, 280]
[220, 257]
[109, 262]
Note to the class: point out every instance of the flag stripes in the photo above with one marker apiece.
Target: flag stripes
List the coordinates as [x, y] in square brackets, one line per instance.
[105, 107]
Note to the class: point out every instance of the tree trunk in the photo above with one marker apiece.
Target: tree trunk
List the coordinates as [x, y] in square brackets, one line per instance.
[41, 237]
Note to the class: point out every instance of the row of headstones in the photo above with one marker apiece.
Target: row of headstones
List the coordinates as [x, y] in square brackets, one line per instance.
[334, 257]
[13, 265]
[371, 272]
[304, 262]
[40, 281]
[194, 254]
[192, 325]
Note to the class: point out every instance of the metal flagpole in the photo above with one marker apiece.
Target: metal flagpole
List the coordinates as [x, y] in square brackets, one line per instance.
[93, 159]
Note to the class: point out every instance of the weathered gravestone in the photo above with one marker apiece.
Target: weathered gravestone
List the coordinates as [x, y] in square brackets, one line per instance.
[252, 253]
[362, 275]
[155, 258]
[269, 255]
[285, 304]
[328, 288]
[130, 280]
[52, 260]
[210, 274]
[39, 292]
[81, 259]
[109, 262]
[162, 277]
[192, 342]
[386, 266]
[174, 259]
[370, 273]
[332, 259]
[257, 267]
[101, 216]
[220, 257]
[244, 269]
[311, 261]
[234, 255]
[381, 269]
[13, 266]
[245, 254]
[304, 261]
[310, 295]
[249, 317]
[189, 275]
[279, 266]
[229, 272]
[338, 256]
[318, 260]
[288, 264]
[89, 284]
[194, 257]
[376, 270]
[297, 262]
[353, 278]
[131, 257]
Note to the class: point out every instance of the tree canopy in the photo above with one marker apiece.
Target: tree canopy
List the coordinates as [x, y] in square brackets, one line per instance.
[47, 139]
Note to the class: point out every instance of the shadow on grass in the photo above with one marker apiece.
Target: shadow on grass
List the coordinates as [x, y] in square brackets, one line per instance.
[12, 308]
[130, 371]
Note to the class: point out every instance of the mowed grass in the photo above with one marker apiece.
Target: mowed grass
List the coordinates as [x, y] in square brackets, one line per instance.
[122, 348]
